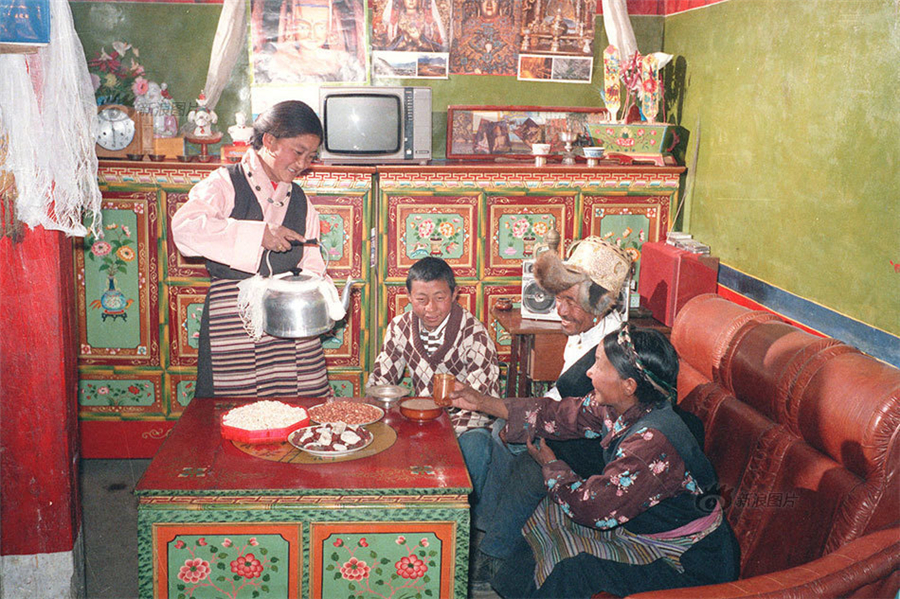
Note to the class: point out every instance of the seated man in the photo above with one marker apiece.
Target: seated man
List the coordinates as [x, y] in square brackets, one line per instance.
[587, 287]
[438, 335]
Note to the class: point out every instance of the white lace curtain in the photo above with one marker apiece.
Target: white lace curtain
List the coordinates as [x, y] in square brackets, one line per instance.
[47, 112]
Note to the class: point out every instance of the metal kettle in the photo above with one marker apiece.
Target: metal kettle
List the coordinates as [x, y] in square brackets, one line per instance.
[303, 305]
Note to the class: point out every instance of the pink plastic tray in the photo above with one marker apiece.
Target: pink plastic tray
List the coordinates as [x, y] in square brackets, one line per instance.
[270, 435]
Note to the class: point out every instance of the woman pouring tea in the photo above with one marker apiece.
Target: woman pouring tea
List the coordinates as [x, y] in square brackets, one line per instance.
[251, 218]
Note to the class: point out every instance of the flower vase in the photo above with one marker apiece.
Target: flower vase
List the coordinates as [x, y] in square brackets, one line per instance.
[528, 245]
[436, 245]
[113, 302]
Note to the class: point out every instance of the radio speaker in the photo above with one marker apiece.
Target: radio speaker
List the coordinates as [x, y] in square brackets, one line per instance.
[537, 303]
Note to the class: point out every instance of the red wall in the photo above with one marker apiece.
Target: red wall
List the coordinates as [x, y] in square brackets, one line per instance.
[660, 7]
[39, 499]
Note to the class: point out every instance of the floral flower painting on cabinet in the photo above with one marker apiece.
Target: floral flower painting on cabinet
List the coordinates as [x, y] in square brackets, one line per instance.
[235, 566]
[114, 252]
[439, 235]
[381, 565]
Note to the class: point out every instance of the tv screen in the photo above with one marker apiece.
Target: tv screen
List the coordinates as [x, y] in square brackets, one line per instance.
[362, 123]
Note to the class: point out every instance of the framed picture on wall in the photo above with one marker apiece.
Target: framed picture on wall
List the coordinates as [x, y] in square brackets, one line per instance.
[491, 132]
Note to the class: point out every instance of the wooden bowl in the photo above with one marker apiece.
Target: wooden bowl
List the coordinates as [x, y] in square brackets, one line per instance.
[420, 409]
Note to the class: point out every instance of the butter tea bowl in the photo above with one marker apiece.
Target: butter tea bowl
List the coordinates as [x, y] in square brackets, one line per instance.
[593, 151]
[420, 409]
[540, 149]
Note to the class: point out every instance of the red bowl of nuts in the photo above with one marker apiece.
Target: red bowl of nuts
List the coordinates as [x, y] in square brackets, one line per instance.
[263, 422]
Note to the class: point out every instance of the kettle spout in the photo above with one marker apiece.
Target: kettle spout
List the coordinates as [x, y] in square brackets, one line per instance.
[345, 294]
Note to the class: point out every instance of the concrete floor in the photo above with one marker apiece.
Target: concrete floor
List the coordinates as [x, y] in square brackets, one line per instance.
[110, 530]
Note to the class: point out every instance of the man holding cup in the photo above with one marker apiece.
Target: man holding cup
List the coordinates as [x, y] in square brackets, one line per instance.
[590, 300]
[440, 343]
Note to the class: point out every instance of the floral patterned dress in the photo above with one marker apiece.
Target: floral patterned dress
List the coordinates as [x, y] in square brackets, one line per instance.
[650, 500]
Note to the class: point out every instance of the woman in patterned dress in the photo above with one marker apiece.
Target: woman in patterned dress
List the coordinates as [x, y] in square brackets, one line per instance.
[646, 519]
[250, 218]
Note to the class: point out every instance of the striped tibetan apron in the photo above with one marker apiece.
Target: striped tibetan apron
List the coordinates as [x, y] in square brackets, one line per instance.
[230, 363]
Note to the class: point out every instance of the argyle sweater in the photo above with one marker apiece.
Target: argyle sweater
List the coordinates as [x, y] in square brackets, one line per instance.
[467, 352]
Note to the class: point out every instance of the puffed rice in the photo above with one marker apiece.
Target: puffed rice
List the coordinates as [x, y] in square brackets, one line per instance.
[263, 415]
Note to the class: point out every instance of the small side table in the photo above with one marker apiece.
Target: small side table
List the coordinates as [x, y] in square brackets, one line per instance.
[529, 338]
[546, 339]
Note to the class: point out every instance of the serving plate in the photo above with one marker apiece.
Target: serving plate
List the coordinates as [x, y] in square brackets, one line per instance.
[386, 392]
[294, 437]
[312, 413]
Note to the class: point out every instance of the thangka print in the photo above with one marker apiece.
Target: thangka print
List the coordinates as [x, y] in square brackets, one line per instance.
[308, 41]
[485, 37]
[411, 38]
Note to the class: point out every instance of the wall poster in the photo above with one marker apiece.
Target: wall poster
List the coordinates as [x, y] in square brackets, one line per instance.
[307, 41]
[411, 38]
[485, 37]
[558, 69]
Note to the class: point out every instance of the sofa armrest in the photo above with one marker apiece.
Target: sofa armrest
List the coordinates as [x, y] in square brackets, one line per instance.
[866, 567]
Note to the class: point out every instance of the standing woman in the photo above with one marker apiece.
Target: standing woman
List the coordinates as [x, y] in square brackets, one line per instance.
[242, 218]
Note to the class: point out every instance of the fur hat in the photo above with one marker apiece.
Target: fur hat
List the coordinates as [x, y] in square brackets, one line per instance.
[603, 265]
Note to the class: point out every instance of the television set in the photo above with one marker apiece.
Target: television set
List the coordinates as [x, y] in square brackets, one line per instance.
[375, 125]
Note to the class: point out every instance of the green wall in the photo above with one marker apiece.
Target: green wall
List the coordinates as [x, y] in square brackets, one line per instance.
[174, 41]
[797, 110]
[794, 103]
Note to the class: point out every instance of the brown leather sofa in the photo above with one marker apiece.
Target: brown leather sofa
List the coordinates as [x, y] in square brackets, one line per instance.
[804, 433]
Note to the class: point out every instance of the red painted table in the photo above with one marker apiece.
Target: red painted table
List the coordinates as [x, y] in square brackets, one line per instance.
[219, 518]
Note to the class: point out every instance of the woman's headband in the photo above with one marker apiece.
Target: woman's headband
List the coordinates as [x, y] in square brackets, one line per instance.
[625, 342]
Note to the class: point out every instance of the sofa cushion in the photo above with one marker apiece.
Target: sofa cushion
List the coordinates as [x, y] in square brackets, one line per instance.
[802, 430]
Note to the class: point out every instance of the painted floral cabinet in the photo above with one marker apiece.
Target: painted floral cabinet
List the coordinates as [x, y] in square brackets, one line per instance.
[139, 300]
[485, 219]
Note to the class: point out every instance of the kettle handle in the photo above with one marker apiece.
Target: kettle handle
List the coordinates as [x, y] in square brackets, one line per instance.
[324, 258]
[308, 242]
[315, 242]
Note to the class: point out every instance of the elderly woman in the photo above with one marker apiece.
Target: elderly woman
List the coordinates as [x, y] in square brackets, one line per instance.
[643, 520]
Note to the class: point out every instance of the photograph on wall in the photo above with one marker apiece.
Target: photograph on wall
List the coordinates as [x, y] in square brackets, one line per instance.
[558, 69]
[485, 37]
[409, 65]
[509, 131]
[418, 28]
[295, 42]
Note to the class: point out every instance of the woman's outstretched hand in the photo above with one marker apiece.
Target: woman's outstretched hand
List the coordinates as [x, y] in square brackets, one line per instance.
[466, 398]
